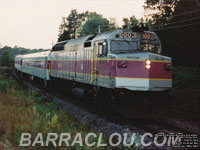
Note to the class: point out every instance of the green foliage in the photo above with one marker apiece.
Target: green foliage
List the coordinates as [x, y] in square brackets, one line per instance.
[7, 54]
[130, 23]
[23, 110]
[186, 77]
[186, 89]
[5, 82]
[5, 59]
[137, 25]
[162, 10]
[54, 121]
[71, 25]
[79, 24]
[64, 36]
[95, 20]
[19, 50]
[178, 41]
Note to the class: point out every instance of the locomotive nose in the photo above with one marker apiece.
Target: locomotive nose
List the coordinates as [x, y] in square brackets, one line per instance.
[149, 73]
[160, 74]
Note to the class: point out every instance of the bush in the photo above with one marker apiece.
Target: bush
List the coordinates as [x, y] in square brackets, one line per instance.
[6, 59]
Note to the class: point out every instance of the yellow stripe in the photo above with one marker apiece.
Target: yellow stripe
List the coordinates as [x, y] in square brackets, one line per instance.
[161, 61]
[143, 78]
[117, 77]
[112, 59]
[107, 59]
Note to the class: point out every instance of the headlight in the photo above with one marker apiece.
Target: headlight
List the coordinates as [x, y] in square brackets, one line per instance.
[148, 67]
[148, 64]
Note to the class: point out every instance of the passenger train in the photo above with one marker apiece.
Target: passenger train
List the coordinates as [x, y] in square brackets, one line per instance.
[116, 61]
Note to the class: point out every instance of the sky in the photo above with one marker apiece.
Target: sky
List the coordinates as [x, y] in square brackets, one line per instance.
[35, 23]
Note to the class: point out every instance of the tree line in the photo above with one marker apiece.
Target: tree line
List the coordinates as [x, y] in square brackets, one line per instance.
[7, 54]
[81, 24]
[176, 22]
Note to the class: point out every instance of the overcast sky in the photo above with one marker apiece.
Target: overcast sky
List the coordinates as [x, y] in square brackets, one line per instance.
[35, 23]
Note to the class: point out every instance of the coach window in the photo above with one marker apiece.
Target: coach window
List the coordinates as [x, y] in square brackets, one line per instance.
[102, 49]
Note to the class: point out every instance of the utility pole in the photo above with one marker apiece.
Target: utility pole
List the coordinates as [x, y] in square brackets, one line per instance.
[99, 27]
[52, 43]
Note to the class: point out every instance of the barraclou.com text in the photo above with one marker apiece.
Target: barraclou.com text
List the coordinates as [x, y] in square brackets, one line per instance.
[65, 139]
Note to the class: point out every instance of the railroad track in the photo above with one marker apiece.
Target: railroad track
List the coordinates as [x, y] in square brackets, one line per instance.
[160, 126]
[153, 126]
[185, 113]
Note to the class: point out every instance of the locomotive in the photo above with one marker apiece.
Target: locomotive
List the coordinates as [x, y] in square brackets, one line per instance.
[118, 62]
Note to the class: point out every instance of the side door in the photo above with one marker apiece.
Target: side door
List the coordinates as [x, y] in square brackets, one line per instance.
[94, 64]
[102, 71]
[104, 64]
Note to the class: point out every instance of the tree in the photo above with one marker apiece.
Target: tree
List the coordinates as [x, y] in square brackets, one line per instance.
[93, 21]
[176, 23]
[136, 25]
[5, 59]
[186, 45]
[162, 10]
[63, 34]
[71, 25]
[7, 54]
[130, 23]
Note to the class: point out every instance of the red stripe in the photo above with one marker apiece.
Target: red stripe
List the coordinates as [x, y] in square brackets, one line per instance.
[158, 70]
[134, 69]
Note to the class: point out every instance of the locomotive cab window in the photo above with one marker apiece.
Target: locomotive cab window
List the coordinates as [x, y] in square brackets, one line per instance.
[102, 49]
[151, 47]
[118, 46]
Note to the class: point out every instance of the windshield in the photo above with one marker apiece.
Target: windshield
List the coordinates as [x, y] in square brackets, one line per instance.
[124, 45]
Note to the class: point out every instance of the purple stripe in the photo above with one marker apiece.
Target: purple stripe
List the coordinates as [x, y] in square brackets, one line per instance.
[134, 69]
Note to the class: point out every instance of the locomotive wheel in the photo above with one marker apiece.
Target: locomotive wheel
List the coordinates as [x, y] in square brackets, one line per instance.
[93, 98]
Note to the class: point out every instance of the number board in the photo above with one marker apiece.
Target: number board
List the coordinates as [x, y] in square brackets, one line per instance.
[147, 36]
[128, 35]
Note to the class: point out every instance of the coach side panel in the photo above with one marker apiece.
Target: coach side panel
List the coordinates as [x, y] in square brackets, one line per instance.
[37, 66]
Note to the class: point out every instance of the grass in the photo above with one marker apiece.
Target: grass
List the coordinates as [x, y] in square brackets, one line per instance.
[186, 88]
[26, 111]
[186, 77]
[23, 110]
